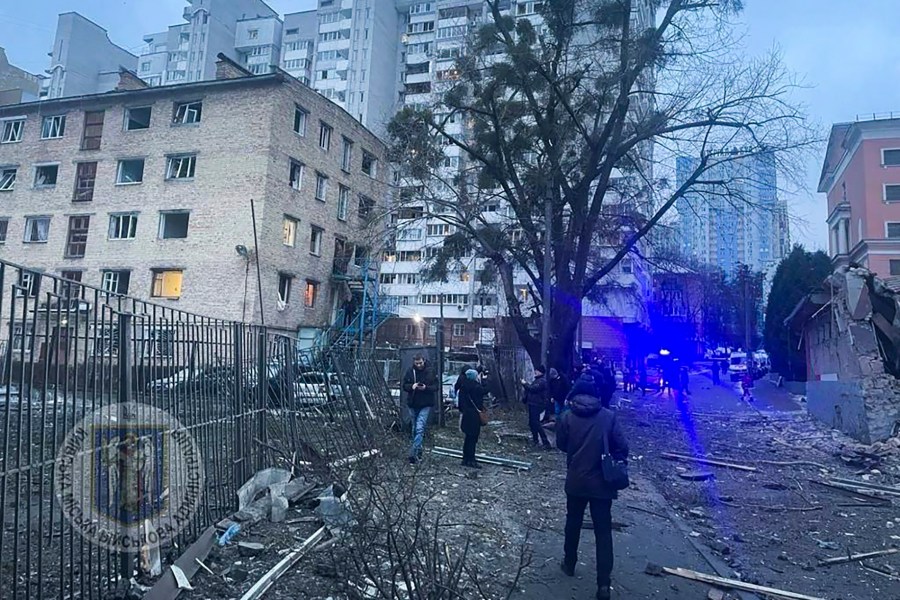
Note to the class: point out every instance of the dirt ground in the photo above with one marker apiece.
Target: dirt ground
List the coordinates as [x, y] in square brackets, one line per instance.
[770, 526]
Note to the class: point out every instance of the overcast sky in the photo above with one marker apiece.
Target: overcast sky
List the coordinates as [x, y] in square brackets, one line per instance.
[844, 50]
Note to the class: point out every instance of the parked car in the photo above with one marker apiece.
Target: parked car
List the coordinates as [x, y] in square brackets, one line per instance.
[761, 362]
[737, 365]
[203, 380]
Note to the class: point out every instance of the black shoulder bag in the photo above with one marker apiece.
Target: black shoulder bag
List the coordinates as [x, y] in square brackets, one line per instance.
[615, 472]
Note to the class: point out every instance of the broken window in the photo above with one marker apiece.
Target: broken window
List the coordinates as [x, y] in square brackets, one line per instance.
[296, 175]
[137, 118]
[7, 179]
[167, 284]
[12, 131]
[115, 281]
[36, 229]
[289, 232]
[187, 112]
[173, 225]
[46, 175]
[53, 127]
[123, 226]
[315, 240]
[85, 176]
[93, 130]
[366, 207]
[72, 275]
[76, 242]
[284, 288]
[181, 167]
[300, 118]
[369, 164]
[130, 170]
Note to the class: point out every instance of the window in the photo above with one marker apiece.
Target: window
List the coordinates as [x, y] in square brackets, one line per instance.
[309, 296]
[627, 266]
[53, 127]
[321, 186]
[28, 281]
[115, 281]
[346, 155]
[130, 170]
[93, 130]
[458, 299]
[137, 118]
[448, 32]
[253, 34]
[181, 167]
[409, 235]
[72, 275]
[4, 228]
[459, 329]
[123, 226]
[146, 66]
[8, 179]
[890, 157]
[187, 112]
[366, 206]
[76, 242]
[315, 240]
[167, 284]
[343, 203]
[293, 31]
[892, 193]
[369, 164]
[300, 118]
[421, 7]
[173, 225]
[284, 288]
[486, 300]
[85, 176]
[289, 232]
[324, 136]
[12, 131]
[439, 230]
[36, 229]
[420, 27]
[45, 175]
[296, 175]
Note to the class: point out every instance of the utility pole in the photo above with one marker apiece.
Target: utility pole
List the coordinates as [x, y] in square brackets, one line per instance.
[439, 339]
[746, 311]
[545, 294]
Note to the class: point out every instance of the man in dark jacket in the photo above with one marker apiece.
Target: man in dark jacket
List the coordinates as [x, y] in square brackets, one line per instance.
[471, 403]
[421, 385]
[580, 434]
[559, 389]
[536, 399]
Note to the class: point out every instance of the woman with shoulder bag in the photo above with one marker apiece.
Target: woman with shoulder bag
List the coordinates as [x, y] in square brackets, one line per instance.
[472, 415]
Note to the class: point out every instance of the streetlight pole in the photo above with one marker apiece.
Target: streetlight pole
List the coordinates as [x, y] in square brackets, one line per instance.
[439, 339]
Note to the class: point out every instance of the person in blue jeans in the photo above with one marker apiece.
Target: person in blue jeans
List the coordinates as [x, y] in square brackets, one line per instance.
[421, 385]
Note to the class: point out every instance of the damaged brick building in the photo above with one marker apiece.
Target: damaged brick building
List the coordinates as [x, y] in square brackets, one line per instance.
[851, 339]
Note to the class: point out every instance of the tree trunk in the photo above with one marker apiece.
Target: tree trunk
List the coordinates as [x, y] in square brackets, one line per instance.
[564, 318]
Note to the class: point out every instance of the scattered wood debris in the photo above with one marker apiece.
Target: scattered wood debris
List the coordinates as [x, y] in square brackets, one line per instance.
[709, 461]
[838, 560]
[735, 584]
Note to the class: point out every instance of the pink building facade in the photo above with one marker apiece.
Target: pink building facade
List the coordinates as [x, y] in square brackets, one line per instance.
[861, 178]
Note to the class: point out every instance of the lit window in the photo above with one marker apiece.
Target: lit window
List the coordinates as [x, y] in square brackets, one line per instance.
[53, 127]
[315, 240]
[46, 175]
[181, 167]
[289, 233]
[7, 180]
[309, 296]
[173, 225]
[167, 284]
[284, 288]
[12, 131]
[137, 118]
[122, 227]
[187, 112]
[130, 171]
[36, 229]
[321, 186]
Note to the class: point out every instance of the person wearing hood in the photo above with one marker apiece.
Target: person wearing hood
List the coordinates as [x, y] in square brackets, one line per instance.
[581, 433]
[536, 399]
[471, 403]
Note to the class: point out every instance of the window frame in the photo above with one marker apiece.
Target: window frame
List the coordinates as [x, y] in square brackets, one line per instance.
[891, 264]
[79, 192]
[346, 154]
[884, 163]
[31, 220]
[316, 236]
[186, 112]
[459, 330]
[343, 203]
[170, 162]
[325, 133]
[116, 219]
[37, 169]
[127, 117]
[321, 187]
[11, 181]
[373, 164]
[285, 283]
[295, 225]
[298, 111]
[10, 125]
[4, 229]
[163, 217]
[119, 168]
[310, 293]
[60, 127]
[296, 164]
[118, 281]
[159, 276]
[93, 141]
[76, 239]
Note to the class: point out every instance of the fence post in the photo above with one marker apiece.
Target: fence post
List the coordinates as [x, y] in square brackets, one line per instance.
[240, 397]
[261, 398]
[124, 395]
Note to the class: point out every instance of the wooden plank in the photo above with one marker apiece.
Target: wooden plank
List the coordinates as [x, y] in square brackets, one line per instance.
[852, 492]
[709, 461]
[268, 580]
[506, 462]
[839, 560]
[736, 584]
[893, 491]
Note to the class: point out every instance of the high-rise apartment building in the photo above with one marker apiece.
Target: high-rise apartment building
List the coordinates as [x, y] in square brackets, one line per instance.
[741, 222]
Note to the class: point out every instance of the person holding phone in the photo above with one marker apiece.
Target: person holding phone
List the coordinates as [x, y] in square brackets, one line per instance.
[421, 386]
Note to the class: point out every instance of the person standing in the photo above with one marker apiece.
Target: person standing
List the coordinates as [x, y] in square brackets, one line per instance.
[471, 404]
[536, 399]
[642, 377]
[584, 433]
[715, 371]
[685, 377]
[559, 389]
[421, 386]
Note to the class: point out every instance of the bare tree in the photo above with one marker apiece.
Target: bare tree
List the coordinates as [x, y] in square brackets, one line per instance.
[579, 113]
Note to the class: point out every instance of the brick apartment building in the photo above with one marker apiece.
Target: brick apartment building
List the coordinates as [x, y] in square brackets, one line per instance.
[147, 191]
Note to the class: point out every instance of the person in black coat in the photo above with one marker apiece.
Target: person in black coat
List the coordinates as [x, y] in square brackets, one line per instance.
[559, 390]
[536, 399]
[471, 403]
[421, 386]
[580, 434]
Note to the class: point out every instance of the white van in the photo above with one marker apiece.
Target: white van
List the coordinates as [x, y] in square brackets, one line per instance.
[737, 365]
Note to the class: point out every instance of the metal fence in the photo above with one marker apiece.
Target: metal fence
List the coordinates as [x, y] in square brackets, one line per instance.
[247, 396]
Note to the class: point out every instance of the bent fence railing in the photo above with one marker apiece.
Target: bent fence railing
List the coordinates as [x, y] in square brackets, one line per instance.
[247, 397]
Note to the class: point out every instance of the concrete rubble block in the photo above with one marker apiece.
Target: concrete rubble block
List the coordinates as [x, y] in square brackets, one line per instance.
[864, 339]
[858, 303]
